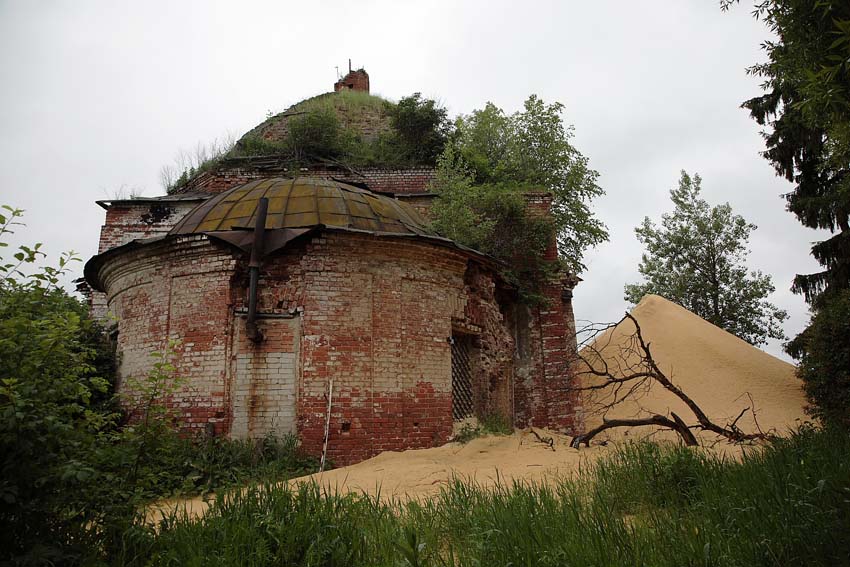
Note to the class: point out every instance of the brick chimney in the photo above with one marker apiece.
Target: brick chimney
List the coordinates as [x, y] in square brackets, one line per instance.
[354, 81]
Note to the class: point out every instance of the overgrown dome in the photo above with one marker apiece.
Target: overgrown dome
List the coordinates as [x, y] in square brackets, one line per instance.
[360, 113]
[304, 202]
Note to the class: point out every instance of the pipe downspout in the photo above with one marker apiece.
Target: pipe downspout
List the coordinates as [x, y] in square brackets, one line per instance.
[254, 333]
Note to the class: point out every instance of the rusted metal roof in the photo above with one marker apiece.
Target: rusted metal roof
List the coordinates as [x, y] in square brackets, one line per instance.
[305, 202]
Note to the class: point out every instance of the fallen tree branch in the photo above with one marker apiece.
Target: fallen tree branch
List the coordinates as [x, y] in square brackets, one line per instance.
[550, 441]
[675, 424]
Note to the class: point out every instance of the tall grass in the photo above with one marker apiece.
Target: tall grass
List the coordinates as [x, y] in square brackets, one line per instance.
[646, 505]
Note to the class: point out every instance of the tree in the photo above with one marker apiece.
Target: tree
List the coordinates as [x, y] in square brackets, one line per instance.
[824, 354]
[696, 258]
[420, 129]
[55, 368]
[805, 108]
[492, 159]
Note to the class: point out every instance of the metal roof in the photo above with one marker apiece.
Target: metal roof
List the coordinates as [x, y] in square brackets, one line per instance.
[305, 202]
[106, 203]
[297, 207]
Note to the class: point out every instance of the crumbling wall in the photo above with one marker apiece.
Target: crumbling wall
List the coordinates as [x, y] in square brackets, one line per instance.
[373, 314]
[127, 221]
[544, 391]
[177, 290]
[495, 345]
[355, 80]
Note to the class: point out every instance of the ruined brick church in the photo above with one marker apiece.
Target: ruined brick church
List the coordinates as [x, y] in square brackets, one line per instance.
[320, 300]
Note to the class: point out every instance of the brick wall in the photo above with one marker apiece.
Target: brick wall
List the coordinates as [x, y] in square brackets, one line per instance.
[372, 314]
[402, 181]
[265, 378]
[355, 80]
[376, 315]
[545, 396]
[127, 221]
[177, 290]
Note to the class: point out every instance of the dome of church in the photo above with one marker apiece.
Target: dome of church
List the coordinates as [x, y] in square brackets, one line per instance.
[304, 202]
[363, 115]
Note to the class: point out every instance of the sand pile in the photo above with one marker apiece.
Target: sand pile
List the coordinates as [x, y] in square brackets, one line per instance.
[421, 473]
[720, 372]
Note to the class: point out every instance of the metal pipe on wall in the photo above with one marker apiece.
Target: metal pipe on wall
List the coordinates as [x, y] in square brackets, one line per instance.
[253, 332]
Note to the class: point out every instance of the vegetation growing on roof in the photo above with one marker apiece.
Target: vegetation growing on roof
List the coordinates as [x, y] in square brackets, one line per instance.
[348, 128]
[492, 161]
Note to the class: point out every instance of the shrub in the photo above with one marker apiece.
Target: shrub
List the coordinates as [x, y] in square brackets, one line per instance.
[54, 389]
[824, 353]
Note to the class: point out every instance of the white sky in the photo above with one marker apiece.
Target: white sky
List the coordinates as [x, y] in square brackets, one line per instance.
[96, 96]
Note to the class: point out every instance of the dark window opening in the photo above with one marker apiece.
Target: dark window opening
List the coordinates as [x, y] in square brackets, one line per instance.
[462, 400]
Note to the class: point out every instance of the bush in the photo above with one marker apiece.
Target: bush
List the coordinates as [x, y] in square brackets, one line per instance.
[824, 353]
[316, 134]
[55, 388]
[72, 482]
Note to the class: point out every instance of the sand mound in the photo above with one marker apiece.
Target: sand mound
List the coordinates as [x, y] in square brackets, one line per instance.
[421, 473]
[486, 461]
[720, 372]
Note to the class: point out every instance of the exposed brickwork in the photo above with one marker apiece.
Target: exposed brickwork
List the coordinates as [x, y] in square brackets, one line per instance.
[373, 314]
[265, 378]
[376, 319]
[177, 290]
[398, 181]
[354, 81]
[546, 398]
[127, 221]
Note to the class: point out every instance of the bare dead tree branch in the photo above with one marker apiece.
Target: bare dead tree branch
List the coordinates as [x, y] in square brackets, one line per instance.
[633, 368]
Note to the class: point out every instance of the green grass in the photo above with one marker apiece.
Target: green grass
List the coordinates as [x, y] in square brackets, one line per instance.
[645, 505]
[352, 101]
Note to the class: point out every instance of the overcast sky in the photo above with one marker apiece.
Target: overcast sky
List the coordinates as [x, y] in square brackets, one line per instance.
[97, 96]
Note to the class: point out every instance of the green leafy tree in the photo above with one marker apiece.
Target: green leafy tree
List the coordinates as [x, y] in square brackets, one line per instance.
[492, 160]
[806, 106]
[824, 353]
[696, 258]
[52, 380]
[420, 130]
[805, 109]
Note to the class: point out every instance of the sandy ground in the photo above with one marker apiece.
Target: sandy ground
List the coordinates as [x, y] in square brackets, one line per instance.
[722, 373]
